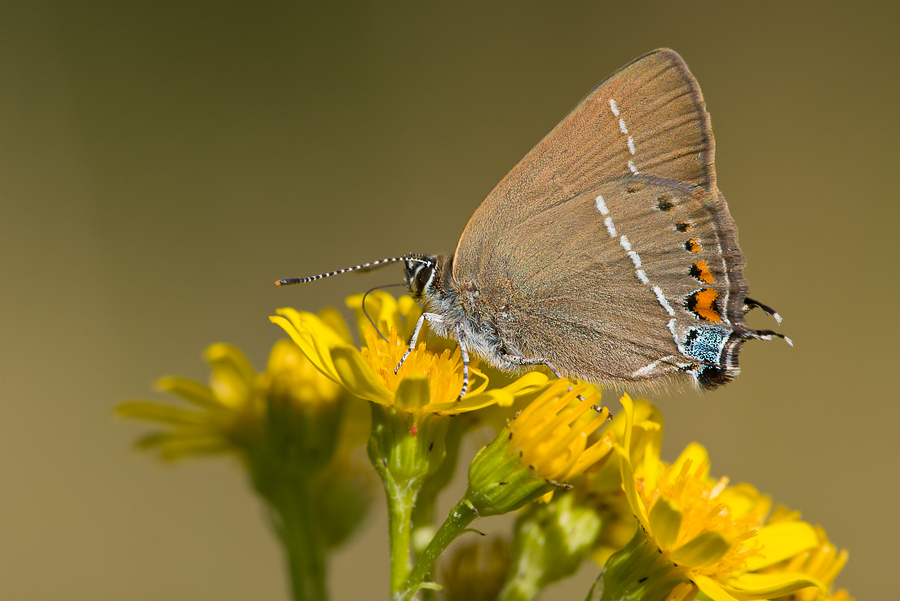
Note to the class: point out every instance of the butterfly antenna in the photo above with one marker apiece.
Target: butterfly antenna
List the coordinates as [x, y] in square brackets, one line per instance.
[366, 313]
[364, 266]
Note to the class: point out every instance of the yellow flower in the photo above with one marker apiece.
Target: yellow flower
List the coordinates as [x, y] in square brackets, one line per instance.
[713, 535]
[369, 373]
[549, 442]
[546, 445]
[602, 488]
[411, 409]
[822, 562]
[236, 411]
[551, 434]
[218, 417]
[295, 433]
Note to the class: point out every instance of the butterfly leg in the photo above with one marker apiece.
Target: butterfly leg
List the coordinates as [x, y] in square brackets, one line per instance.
[523, 361]
[433, 317]
[461, 338]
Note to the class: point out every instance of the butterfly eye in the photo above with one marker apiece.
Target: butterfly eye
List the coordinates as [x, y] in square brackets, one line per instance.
[418, 276]
[423, 277]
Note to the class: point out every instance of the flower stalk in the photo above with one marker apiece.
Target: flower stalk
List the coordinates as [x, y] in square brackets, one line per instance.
[294, 521]
[404, 451]
[546, 444]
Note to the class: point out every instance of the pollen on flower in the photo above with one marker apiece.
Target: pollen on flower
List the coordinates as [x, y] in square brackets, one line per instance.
[551, 434]
[686, 486]
[444, 371]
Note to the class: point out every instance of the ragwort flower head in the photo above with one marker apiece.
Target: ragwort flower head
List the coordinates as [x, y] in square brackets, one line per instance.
[231, 413]
[369, 372]
[714, 536]
[475, 571]
[548, 443]
[601, 488]
[293, 430]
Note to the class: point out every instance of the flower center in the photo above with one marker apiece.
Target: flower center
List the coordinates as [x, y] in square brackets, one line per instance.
[704, 509]
[444, 371]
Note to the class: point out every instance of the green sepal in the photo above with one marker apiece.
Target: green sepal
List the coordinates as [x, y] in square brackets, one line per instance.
[498, 480]
[641, 572]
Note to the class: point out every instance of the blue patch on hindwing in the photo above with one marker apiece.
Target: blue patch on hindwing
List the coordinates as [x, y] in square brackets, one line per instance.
[705, 344]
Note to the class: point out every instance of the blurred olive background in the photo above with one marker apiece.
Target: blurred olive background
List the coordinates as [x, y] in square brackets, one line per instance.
[162, 163]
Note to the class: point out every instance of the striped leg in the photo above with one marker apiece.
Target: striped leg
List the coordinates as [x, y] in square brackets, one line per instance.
[415, 337]
[465, 357]
[523, 361]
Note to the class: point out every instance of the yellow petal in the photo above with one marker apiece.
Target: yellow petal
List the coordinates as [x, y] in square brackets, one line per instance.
[174, 446]
[471, 402]
[313, 342]
[411, 311]
[781, 541]
[232, 375]
[356, 375]
[711, 589]
[332, 318]
[699, 458]
[743, 499]
[504, 397]
[628, 406]
[193, 392]
[163, 414]
[702, 551]
[665, 522]
[770, 586]
[628, 479]
[647, 438]
[381, 307]
[413, 393]
[530, 382]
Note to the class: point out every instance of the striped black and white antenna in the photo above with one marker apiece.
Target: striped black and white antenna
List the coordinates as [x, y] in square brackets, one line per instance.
[364, 266]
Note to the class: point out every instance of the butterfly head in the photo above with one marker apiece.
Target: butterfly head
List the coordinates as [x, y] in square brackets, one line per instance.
[427, 275]
[420, 274]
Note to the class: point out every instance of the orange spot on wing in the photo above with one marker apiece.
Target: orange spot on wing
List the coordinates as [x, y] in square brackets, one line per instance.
[693, 245]
[700, 270]
[704, 304]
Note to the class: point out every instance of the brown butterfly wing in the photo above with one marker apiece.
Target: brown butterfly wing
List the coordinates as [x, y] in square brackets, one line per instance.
[658, 104]
[617, 291]
[605, 289]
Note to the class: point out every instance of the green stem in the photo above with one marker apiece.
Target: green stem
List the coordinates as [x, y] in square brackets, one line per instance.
[400, 502]
[304, 550]
[460, 517]
[398, 458]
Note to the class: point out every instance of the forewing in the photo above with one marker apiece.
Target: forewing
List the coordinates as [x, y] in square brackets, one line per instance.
[647, 118]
